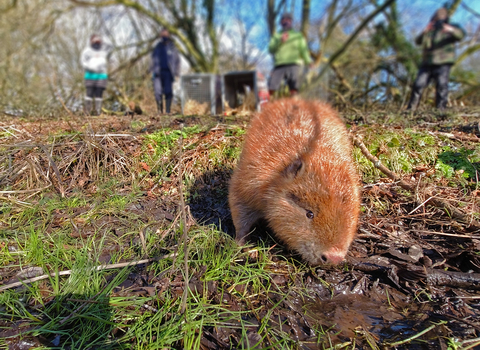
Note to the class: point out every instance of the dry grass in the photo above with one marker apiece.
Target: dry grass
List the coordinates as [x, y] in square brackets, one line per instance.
[196, 108]
[68, 162]
[248, 106]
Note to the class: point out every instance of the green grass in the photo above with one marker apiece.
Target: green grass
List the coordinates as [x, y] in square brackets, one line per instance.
[165, 140]
[82, 312]
[405, 150]
[89, 308]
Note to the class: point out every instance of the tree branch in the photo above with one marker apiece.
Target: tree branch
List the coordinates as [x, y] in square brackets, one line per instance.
[350, 40]
[437, 202]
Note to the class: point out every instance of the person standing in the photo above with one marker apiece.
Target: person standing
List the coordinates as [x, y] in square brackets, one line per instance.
[290, 51]
[165, 69]
[438, 44]
[94, 60]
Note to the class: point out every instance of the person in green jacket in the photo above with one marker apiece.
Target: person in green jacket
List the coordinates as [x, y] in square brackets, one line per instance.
[290, 51]
[438, 44]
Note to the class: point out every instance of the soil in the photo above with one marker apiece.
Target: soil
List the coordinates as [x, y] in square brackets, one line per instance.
[409, 270]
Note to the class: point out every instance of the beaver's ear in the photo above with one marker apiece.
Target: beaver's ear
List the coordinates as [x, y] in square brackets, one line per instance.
[293, 169]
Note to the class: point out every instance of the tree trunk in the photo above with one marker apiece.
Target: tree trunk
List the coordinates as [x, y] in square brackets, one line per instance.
[305, 17]
[271, 15]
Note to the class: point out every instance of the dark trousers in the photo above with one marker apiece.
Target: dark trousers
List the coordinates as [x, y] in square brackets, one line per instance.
[439, 73]
[95, 91]
[289, 72]
[162, 85]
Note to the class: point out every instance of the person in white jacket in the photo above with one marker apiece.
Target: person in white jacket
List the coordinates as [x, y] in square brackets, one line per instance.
[94, 61]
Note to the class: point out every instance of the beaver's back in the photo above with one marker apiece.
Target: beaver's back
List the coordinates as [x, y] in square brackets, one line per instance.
[281, 133]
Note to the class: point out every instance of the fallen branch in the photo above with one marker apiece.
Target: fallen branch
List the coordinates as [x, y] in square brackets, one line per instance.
[437, 277]
[409, 272]
[69, 272]
[453, 212]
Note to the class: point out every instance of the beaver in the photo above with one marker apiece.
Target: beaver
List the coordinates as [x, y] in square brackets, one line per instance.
[296, 171]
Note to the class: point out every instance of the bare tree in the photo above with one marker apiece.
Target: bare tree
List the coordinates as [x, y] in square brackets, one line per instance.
[26, 26]
[191, 23]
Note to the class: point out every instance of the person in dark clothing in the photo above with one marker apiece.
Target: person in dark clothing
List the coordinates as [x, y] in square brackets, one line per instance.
[165, 69]
[438, 42]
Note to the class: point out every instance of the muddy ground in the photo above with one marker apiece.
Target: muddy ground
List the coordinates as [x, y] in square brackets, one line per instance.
[411, 280]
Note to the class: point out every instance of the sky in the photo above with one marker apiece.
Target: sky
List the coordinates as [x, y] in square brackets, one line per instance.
[427, 7]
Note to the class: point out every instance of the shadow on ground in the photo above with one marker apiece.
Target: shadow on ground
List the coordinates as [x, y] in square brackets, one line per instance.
[208, 200]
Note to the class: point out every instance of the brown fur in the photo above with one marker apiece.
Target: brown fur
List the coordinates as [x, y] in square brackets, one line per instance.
[297, 161]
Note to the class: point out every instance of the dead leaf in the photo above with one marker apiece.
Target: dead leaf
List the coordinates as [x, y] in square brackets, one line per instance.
[145, 166]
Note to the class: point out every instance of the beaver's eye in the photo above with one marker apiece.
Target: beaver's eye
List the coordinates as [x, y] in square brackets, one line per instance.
[310, 214]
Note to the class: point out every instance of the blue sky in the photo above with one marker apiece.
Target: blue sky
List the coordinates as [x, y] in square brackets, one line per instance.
[425, 8]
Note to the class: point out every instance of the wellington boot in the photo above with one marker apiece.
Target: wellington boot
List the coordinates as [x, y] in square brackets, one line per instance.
[98, 106]
[168, 104]
[160, 107]
[87, 107]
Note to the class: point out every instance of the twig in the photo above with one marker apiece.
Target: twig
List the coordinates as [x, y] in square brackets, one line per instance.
[16, 201]
[184, 227]
[64, 105]
[69, 272]
[419, 206]
[451, 211]
[8, 131]
[142, 235]
[26, 191]
[380, 184]
[378, 164]
[459, 137]
[113, 135]
[55, 169]
[471, 346]
[426, 330]
[448, 234]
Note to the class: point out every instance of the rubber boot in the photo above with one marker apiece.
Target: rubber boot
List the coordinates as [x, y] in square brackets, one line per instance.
[168, 104]
[98, 106]
[414, 101]
[160, 106]
[87, 107]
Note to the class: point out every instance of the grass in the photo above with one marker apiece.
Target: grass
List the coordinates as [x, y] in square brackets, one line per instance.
[239, 295]
[83, 309]
[406, 151]
[80, 311]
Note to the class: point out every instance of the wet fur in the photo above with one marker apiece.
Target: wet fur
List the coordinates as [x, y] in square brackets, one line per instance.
[297, 163]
